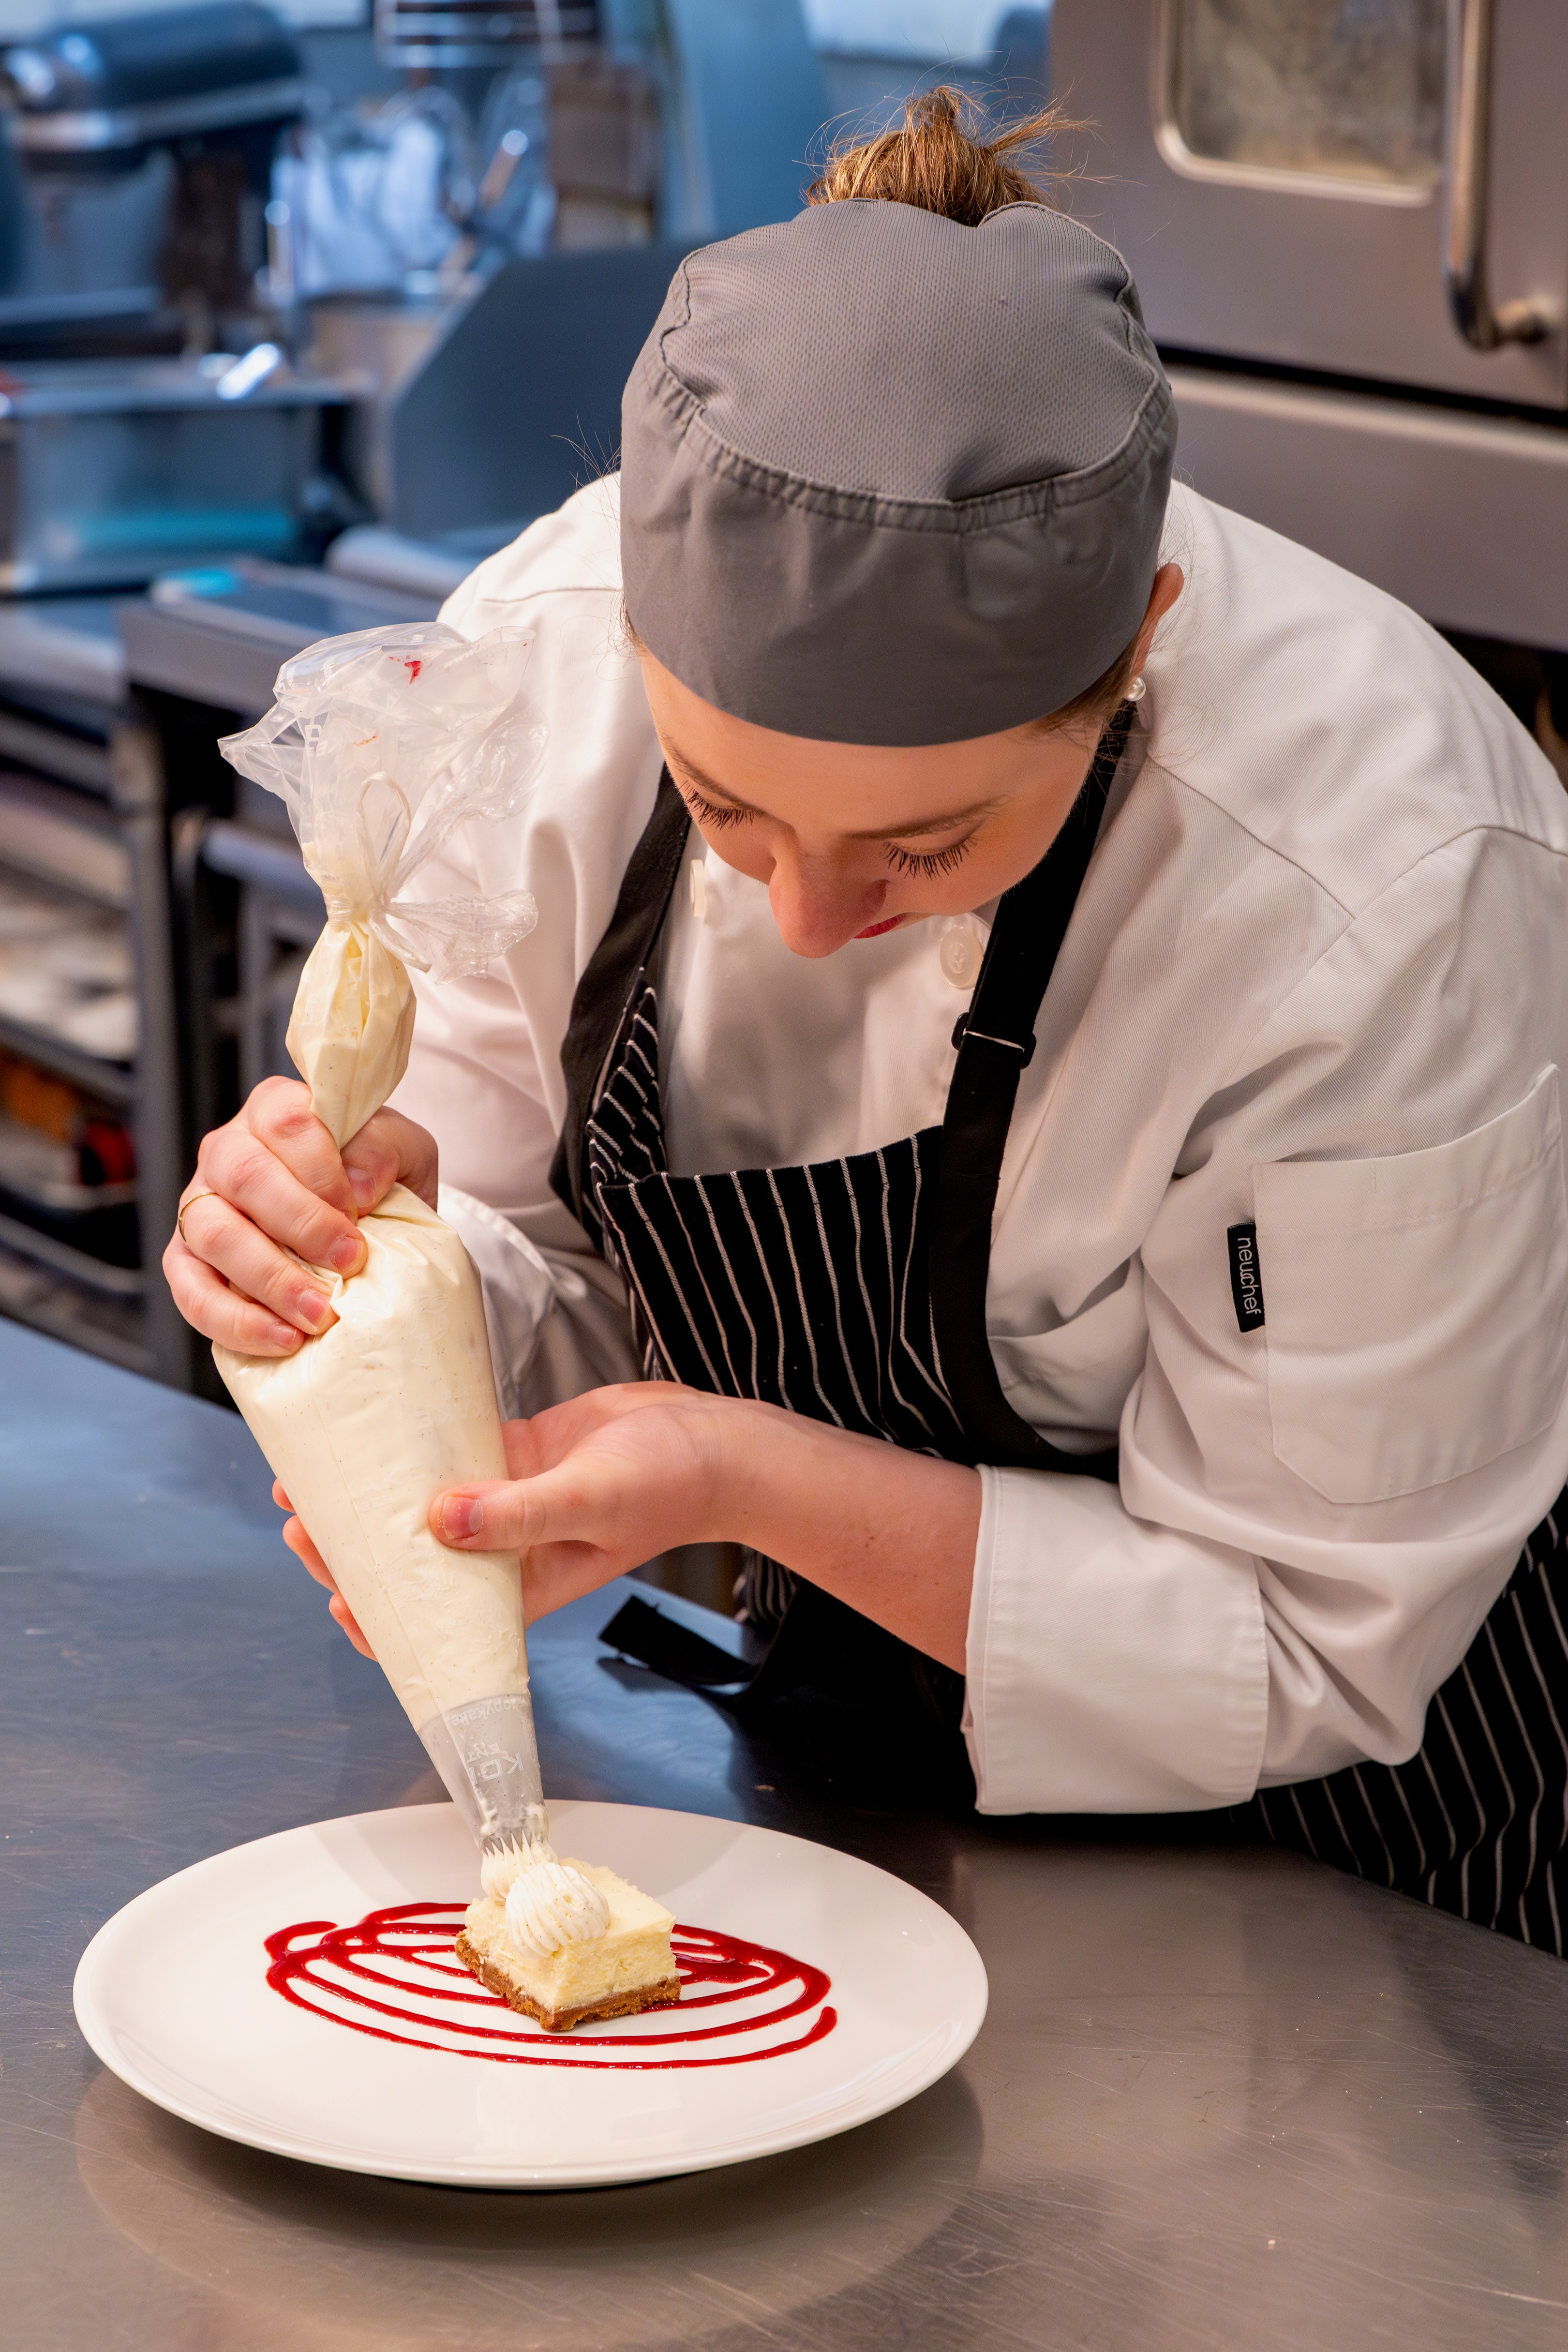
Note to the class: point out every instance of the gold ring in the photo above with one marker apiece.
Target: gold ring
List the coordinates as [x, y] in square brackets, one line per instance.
[179, 1221]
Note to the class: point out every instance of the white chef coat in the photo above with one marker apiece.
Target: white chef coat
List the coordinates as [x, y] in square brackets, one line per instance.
[1317, 979]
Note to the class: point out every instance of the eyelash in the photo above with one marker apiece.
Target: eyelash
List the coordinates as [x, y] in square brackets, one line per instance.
[928, 863]
[710, 813]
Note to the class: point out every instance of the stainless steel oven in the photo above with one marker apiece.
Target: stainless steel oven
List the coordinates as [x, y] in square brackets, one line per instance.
[1349, 221]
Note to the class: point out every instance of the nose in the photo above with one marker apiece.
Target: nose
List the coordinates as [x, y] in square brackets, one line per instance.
[820, 902]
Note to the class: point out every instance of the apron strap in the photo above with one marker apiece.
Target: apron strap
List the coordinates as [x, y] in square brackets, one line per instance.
[603, 992]
[995, 1040]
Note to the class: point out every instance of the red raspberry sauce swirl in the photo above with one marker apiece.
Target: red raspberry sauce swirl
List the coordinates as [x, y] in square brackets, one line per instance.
[394, 1975]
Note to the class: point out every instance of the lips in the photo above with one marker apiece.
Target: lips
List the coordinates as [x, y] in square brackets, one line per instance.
[876, 929]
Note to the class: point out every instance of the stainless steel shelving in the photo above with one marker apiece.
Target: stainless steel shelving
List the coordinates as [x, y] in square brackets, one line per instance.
[114, 1081]
[112, 794]
[82, 821]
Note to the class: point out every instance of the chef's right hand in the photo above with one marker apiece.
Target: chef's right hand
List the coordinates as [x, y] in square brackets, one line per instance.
[271, 1188]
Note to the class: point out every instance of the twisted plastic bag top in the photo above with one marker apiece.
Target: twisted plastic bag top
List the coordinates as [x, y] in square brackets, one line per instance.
[380, 745]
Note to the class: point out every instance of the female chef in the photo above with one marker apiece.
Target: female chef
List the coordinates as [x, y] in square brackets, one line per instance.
[1033, 1104]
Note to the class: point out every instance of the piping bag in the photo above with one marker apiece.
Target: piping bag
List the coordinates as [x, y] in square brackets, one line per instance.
[382, 744]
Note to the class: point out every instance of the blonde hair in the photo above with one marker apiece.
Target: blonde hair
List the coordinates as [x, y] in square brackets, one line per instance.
[946, 157]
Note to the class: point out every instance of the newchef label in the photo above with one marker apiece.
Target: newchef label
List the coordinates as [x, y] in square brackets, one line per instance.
[1245, 1288]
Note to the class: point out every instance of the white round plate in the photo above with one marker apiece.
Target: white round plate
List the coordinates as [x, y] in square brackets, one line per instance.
[443, 2082]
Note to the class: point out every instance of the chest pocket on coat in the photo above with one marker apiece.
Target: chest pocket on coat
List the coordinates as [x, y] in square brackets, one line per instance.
[1417, 1307]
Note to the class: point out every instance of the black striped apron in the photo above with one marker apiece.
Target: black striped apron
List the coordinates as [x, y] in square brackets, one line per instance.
[854, 1291]
[1477, 1821]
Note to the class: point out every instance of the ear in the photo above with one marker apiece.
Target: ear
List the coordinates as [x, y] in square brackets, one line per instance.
[1169, 582]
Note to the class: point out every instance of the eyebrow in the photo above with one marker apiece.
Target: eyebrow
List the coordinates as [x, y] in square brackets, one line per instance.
[916, 830]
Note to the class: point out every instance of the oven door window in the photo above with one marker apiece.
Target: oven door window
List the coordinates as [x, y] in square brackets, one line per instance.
[1348, 92]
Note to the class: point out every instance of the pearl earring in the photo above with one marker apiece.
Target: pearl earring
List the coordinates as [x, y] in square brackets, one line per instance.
[1137, 689]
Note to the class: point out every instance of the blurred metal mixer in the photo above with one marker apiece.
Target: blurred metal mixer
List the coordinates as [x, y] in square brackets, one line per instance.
[112, 467]
[408, 306]
[610, 139]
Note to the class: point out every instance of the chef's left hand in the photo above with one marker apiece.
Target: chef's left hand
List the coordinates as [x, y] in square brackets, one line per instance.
[641, 1457]
[608, 1480]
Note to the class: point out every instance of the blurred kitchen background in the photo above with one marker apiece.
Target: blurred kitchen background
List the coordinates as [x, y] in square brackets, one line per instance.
[305, 308]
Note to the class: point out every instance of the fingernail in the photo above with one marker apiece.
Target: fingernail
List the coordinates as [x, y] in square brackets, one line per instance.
[314, 1308]
[346, 1253]
[362, 1185]
[461, 1515]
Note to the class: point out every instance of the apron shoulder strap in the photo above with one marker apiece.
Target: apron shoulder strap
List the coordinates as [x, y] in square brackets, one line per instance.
[996, 1042]
[602, 994]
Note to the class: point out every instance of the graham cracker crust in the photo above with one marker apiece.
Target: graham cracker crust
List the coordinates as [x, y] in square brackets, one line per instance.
[562, 2020]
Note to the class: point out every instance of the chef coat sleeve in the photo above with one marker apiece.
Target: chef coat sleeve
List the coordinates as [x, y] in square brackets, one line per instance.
[1316, 1508]
[555, 1311]
[485, 1074]
[1140, 1686]
[557, 1319]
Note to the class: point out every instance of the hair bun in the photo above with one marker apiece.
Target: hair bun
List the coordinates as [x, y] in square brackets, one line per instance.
[945, 158]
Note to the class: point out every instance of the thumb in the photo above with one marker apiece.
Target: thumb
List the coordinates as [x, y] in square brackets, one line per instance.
[503, 1514]
[390, 1149]
[371, 1165]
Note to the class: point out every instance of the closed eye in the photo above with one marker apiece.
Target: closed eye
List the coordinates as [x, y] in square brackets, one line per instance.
[929, 863]
[713, 813]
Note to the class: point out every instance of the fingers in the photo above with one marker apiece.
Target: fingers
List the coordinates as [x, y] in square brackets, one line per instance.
[221, 1254]
[390, 1149]
[371, 1160]
[205, 1300]
[629, 1469]
[277, 1113]
[304, 1550]
[249, 1215]
[339, 1609]
[271, 1198]
[276, 1165]
[298, 1541]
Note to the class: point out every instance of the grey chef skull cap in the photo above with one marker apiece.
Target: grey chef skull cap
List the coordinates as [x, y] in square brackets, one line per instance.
[887, 477]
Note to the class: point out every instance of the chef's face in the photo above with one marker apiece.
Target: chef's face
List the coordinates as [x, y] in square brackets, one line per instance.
[852, 839]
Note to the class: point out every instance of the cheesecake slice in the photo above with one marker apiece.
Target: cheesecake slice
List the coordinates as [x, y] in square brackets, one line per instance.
[629, 1966]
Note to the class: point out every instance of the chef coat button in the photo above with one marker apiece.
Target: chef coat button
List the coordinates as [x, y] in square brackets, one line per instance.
[960, 955]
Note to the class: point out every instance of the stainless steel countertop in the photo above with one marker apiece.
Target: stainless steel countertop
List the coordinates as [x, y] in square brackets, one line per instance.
[1223, 2097]
[223, 641]
[62, 644]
